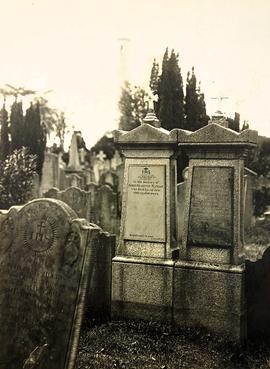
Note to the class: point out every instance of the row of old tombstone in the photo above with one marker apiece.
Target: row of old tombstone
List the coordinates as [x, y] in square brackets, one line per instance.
[55, 271]
[52, 260]
[98, 204]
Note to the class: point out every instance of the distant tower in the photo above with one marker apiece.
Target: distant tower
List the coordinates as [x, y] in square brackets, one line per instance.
[123, 60]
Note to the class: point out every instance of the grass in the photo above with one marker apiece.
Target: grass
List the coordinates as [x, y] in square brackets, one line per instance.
[143, 345]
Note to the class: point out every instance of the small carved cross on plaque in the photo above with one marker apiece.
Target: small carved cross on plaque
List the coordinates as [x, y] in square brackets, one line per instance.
[39, 234]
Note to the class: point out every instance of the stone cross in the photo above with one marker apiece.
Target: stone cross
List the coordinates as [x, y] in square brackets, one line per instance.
[219, 98]
[101, 156]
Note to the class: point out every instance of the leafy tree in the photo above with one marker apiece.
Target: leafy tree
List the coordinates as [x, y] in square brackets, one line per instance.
[4, 138]
[170, 105]
[133, 106]
[16, 178]
[35, 135]
[17, 130]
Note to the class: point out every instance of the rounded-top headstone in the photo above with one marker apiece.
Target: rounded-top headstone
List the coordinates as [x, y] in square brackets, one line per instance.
[41, 261]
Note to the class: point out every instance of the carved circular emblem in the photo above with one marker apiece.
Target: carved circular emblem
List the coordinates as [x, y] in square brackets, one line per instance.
[39, 235]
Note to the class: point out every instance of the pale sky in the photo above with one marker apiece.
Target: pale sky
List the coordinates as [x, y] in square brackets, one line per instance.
[72, 48]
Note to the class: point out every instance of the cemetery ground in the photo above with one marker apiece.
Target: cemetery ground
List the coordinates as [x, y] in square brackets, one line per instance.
[145, 345]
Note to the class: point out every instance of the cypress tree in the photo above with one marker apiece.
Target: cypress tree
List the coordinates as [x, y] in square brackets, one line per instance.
[203, 117]
[234, 123]
[170, 104]
[154, 78]
[35, 135]
[195, 109]
[4, 138]
[191, 102]
[17, 131]
[29, 128]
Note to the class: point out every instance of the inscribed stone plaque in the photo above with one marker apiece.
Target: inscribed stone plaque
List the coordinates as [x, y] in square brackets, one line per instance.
[145, 205]
[43, 263]
[211, 207]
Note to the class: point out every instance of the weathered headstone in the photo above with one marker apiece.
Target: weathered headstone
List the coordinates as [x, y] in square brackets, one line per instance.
[98, 205]
[52, 193]
[212, 248]
[211, 207]
[99, 295]
[44, 259]
[107, 207]
[74, 180]
[79, 200]
[102, 247]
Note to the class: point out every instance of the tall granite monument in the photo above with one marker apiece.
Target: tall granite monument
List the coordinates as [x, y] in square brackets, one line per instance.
[143, 268]
[209, 276]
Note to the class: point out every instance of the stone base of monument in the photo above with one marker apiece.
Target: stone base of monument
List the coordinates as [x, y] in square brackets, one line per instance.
[211, 296]
[142, 288]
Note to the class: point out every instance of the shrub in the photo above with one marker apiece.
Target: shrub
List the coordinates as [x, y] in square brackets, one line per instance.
[16, 178]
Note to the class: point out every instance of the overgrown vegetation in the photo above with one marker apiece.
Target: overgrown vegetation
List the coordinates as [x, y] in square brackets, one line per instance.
[16, 178]
[144, 345]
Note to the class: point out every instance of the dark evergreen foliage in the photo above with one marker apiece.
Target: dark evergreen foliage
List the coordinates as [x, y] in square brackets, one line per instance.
[4, 138]
[170, 105]
[234, 123]
[16, 178]
[35, 135]
[154, 78]
[105, 144]
[195, 109]
[17, 129]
